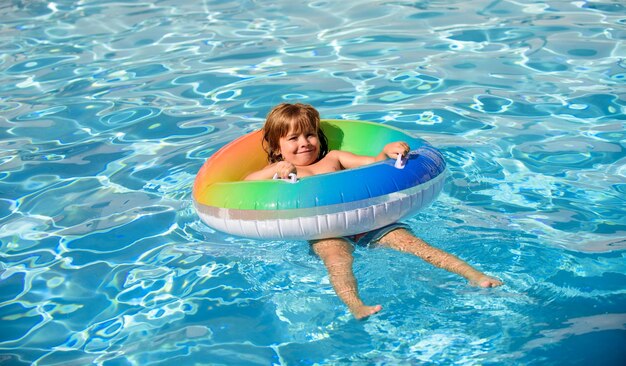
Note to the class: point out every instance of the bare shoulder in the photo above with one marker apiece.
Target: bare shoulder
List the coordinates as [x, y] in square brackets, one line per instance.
[337, 156]
[329, 163]
[332, 158]
[348, 160]
[334, 154]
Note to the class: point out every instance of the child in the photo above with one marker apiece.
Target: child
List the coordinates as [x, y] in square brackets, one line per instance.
[295, 143]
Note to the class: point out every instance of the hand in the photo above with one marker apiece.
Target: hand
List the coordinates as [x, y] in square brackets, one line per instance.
[393, 149]
[283, 169]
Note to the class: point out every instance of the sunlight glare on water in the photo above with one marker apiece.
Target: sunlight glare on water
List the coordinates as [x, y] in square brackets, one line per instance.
[108, 109]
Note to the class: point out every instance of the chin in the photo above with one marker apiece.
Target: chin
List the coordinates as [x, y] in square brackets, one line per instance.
[307, 161]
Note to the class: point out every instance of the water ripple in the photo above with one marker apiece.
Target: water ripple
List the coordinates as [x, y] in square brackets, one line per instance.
[108, 109]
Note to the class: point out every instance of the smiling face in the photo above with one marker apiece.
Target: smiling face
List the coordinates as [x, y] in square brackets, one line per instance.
[300, 148]
[292, 133]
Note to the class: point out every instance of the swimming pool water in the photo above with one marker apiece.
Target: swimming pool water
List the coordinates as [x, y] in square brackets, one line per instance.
[109, 108]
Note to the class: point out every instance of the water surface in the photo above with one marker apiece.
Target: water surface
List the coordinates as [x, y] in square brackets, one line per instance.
[108, 109]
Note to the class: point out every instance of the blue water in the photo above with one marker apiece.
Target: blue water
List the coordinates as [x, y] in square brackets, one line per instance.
[109, 108]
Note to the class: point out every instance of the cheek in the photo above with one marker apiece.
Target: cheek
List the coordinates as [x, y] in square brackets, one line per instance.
[284, 146]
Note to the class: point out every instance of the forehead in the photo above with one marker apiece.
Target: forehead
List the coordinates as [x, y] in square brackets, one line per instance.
[298, 126]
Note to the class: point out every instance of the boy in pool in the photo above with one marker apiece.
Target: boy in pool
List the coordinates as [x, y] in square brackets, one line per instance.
[295, 144]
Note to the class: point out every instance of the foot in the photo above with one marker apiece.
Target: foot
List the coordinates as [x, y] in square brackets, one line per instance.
[364, 311]
[486, 281]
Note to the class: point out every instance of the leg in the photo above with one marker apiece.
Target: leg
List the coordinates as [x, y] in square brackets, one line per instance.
[404, 241]
[337, 257]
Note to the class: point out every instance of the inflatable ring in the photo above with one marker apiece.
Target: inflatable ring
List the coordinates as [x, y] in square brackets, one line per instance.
[329, 205]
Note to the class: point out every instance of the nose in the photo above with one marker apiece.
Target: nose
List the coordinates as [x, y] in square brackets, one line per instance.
[303, 141]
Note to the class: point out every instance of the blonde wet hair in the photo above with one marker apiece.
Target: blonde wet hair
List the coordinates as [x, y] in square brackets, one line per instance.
[285, 117]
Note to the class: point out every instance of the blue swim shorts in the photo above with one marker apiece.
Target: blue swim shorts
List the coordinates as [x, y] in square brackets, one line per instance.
[373, 236]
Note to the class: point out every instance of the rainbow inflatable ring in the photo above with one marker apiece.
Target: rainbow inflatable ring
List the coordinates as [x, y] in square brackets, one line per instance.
[329, 205]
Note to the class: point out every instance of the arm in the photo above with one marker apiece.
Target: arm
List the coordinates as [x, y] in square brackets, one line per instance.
[282, 168]
[391, 150]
